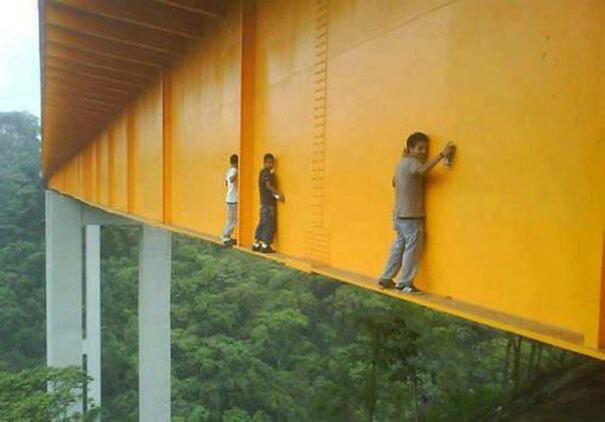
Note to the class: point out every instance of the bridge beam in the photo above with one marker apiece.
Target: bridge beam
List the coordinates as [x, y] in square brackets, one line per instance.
[116, 76]
[104, 27]
[105, 47]
[146, 14]
[75, 55]
[211, 8]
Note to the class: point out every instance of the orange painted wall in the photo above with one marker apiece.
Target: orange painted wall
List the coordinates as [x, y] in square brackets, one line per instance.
[518, 212]
[515, 226]
[89, 171]
[282, 114]
[119, 163]
[145, 170]
[205, 114]
[104, 169]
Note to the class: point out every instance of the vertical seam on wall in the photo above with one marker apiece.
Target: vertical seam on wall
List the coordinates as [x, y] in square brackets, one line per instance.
[97, 174]
[167, 149]
[130, 160]
[110, 166]
[601, 316]
[317, 237]
[247, 63]
[79, 177]
[88, 174]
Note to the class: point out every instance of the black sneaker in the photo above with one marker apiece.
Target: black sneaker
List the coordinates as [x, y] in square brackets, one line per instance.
[267, 249]
[229, 242]
[256, 247]
[409, 290]
[386, 283]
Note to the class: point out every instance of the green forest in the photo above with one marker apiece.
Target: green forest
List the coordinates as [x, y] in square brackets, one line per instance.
[251, 339]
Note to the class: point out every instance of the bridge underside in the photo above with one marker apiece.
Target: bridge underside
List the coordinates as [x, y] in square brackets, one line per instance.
[145, 100]
[98, 56]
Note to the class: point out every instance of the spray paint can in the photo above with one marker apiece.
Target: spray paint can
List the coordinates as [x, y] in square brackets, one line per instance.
[449, 159]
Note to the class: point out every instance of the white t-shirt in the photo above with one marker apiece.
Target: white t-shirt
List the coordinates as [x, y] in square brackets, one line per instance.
[232, 193]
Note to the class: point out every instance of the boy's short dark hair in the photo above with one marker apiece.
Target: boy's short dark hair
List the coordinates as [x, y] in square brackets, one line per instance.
[268, 156]
[415, 138]
[234, 159]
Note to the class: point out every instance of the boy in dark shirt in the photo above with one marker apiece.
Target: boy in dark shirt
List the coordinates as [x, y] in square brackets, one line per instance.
[269, 195]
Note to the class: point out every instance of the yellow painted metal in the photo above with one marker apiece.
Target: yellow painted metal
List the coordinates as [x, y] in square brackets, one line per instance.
[147, 179]
[104, 169]
[118, 146]
[204, 109]
[332, 88]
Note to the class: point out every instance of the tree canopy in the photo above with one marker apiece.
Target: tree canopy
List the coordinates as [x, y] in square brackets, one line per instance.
[251, 340]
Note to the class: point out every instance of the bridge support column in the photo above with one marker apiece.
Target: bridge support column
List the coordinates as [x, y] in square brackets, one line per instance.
[67, 342]
[63, 283]
[73, 249]
[92, 342]
[154, 325]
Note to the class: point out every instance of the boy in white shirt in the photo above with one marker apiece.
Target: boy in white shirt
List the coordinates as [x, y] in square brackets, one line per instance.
[231, 200]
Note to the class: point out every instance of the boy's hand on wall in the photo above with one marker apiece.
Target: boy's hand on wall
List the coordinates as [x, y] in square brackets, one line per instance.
[449, 149]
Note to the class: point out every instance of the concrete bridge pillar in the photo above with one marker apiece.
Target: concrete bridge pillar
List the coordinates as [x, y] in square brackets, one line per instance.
[73, 266]
[92, 339]
[154, 325]
[63, 283]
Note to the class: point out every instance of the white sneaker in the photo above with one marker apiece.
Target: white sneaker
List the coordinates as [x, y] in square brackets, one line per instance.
[410, 290]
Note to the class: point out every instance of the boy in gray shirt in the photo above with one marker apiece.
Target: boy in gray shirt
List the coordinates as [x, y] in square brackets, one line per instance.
[409, 211]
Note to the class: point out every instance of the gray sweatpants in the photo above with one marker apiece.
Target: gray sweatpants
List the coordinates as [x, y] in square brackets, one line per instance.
[405, 251]
[230, 222]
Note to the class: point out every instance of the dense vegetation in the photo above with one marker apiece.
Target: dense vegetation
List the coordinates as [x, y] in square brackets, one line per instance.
[23, 378]
[24, 395]
[251, 340]
[21, 244]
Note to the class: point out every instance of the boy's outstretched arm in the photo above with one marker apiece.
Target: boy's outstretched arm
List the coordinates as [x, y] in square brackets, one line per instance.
[430, 164]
